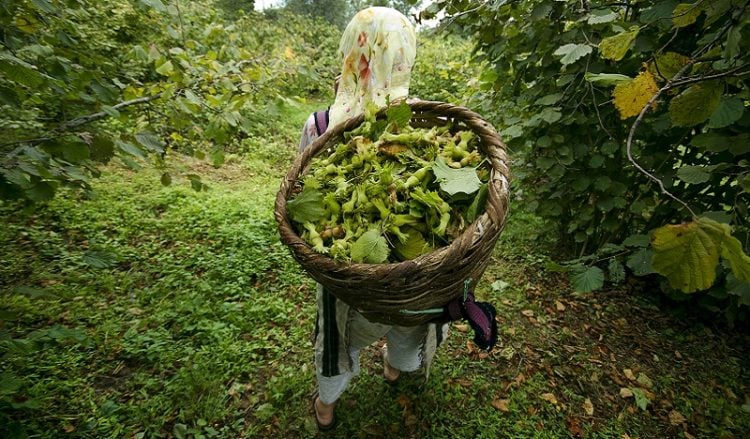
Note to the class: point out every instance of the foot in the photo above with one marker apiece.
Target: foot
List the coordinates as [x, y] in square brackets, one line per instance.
[324, 414]
[390, 373]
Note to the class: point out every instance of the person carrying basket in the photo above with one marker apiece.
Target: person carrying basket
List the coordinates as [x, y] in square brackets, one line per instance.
[378, 48]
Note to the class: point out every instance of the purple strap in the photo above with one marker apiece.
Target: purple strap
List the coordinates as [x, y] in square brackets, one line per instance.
[481, 317]
[321, 121]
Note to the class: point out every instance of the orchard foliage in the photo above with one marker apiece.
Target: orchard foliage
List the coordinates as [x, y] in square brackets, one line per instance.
[84, 82]
[444, 69]
[625, 117]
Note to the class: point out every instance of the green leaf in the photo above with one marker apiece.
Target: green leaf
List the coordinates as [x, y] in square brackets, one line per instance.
[637, 240]
[616, 271]
[44, 6]
[151, 141]
[729, 111]
[659, 11]
[165, 69]
[156, 4]
[586, 279]
[550, 99]
[414, 246]
[693, 174]
[640, 262]
[102, 148]
[641, 400]
[550, 114]
[129, 148]
[196, 183]
[453, 181]
[731, 248]
[477, 206]
[399, 115]
[192, 97]
[9, 97]
[734, 38]
[739, 289]
[306, 207]
[111, 111]
[41, 191]
[600, 16]
[370, 248]
[180, 431]
[217, 157]
[99, 259]
[685, 14]
[166, 179]
[75, 152]
[615, 47]
[695, 105]
[606, 79]
[713, 142]
[570, 53]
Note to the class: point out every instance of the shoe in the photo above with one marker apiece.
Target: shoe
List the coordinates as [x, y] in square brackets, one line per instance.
[323, 427]
[387, 367]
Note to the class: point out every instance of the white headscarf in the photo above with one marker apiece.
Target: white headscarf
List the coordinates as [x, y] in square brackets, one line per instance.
[378, 49]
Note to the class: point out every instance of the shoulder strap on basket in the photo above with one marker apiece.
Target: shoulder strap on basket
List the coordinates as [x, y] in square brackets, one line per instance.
[321, 121]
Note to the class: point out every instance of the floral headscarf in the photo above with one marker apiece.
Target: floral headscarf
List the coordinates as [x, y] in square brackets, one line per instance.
[378, 48]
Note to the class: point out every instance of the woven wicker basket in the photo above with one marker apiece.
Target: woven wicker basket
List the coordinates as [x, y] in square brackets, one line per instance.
[403, 293]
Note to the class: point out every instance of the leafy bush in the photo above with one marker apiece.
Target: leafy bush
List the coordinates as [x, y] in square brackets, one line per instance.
[444, 69]
[83, 83]
[630, 116]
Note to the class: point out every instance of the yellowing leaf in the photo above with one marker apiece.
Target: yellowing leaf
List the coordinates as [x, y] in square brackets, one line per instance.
[501, 404]
[414, 246]
[549, 397]
[616, 46]
[685, 14]
[686, 255]
[289, 53]
[667, 65]
[588, 407]
[26, 24]
[630, 97]
[676, 418]
[695, 105]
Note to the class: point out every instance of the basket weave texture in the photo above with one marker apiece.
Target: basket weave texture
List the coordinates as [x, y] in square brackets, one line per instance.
[391, 293]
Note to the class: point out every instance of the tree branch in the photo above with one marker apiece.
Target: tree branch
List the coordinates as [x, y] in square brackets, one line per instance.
[634, 127]
[82, 120]
[73, 124]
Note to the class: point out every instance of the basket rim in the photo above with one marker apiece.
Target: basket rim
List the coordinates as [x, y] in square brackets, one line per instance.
[335, 133]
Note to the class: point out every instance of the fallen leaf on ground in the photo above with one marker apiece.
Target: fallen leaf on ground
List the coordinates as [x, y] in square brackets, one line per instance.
[626, 393]
[69, 428]
[629, 374]
[574, 427]
[501, 404]
[588, 407]
[528, 313]
[559, 305]
[676, 418]
[461, 327]
[688, 435]
[645, 381]
[549, 397]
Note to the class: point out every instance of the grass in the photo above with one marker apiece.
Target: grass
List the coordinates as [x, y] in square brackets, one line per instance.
[151, 311]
